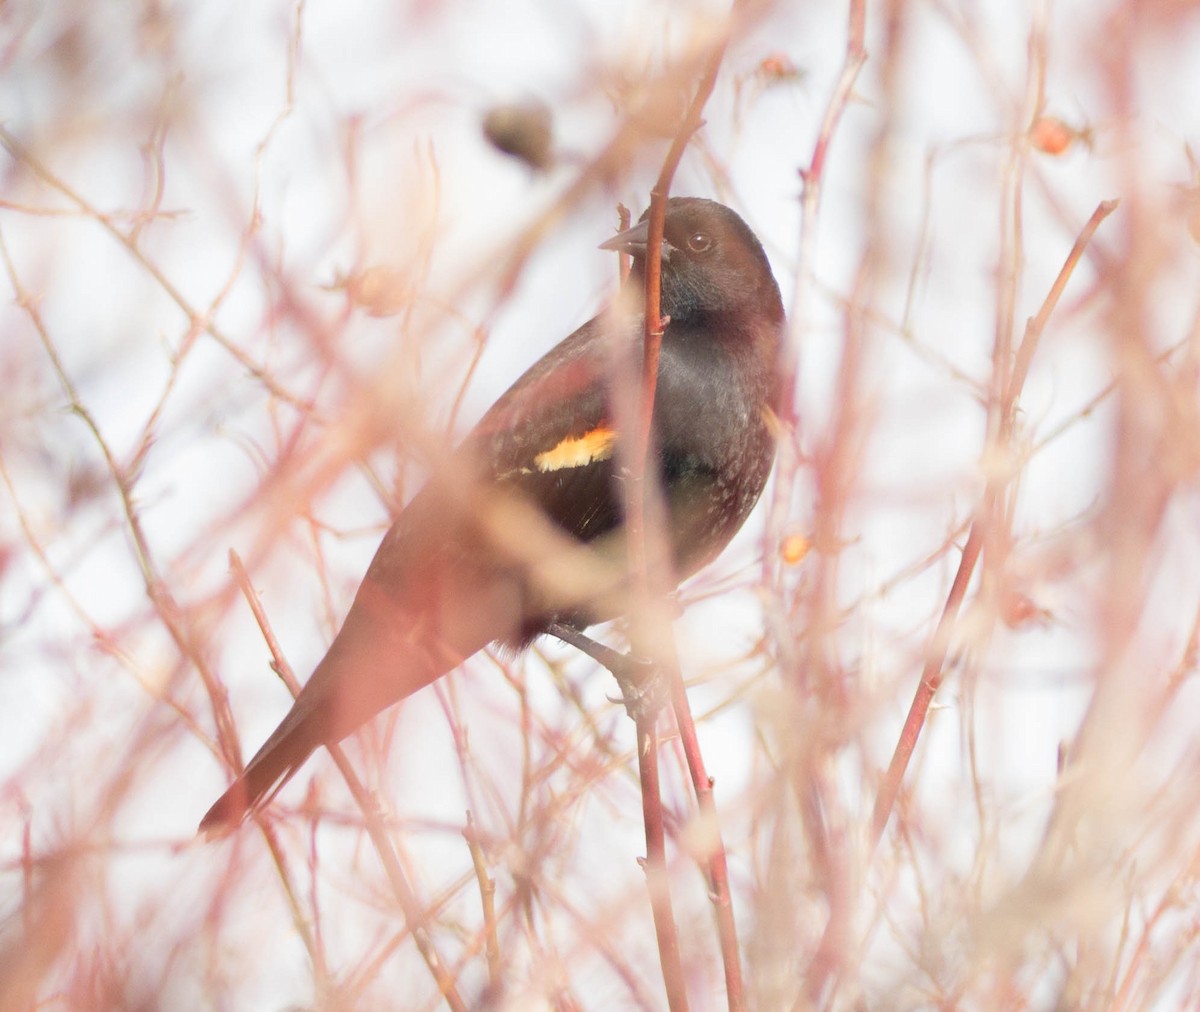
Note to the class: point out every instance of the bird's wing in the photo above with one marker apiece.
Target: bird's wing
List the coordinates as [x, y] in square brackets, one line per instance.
[552, 437]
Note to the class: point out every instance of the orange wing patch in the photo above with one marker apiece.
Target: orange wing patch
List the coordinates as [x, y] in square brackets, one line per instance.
[576, 451]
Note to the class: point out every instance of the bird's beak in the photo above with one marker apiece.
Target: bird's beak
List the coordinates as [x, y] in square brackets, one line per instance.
[633, 241]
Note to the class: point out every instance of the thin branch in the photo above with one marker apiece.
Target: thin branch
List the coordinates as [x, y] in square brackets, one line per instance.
[415, 914]
[643, 502]
[656, 869]
[109, 224]
[487, 897]
[932, 674]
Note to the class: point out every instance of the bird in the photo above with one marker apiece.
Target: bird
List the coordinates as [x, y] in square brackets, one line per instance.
[523, 531]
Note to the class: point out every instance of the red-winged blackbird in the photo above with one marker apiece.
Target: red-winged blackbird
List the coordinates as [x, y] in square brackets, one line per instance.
[524, 529]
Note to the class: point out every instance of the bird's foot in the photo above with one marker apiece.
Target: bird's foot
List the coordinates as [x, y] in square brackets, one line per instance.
[644, 690]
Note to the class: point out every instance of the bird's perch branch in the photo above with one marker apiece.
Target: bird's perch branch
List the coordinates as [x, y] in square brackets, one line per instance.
[650, 574]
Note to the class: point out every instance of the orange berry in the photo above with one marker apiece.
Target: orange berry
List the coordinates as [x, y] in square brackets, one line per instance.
[794, 548]
[1052, 136]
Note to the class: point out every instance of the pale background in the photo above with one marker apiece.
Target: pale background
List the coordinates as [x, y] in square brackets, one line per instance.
[260, 152]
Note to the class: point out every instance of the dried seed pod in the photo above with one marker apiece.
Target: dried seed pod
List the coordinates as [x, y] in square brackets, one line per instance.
[524, 130]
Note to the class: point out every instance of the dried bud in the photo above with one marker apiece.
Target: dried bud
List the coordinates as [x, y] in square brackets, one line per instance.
[1052, 136]
[778, 68]
[1018, 610]
[525, 131]
[379, 291]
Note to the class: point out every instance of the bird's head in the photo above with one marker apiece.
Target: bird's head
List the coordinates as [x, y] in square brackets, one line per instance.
[712, 264]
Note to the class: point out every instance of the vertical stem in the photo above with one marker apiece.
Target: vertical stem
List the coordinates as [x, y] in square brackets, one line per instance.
[656, 869]
[650, 572]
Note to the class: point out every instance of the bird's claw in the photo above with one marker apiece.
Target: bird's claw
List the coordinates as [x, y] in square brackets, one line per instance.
[643, 688]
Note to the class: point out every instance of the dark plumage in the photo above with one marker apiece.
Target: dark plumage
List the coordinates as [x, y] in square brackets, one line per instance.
[524, 529]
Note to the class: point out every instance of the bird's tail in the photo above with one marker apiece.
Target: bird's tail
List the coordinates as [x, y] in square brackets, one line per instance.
[400, 634]
[271, 768]
[369, 667]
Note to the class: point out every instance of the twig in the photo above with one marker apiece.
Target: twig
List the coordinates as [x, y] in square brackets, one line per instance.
[932, 674]
[487, 897]
[656, 869]
[415, 915]
[640, 502]
[21, 154]
[813, 179]
[831, 476]
[169, 611]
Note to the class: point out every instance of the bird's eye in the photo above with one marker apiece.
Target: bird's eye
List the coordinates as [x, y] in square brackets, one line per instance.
[699, 242]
